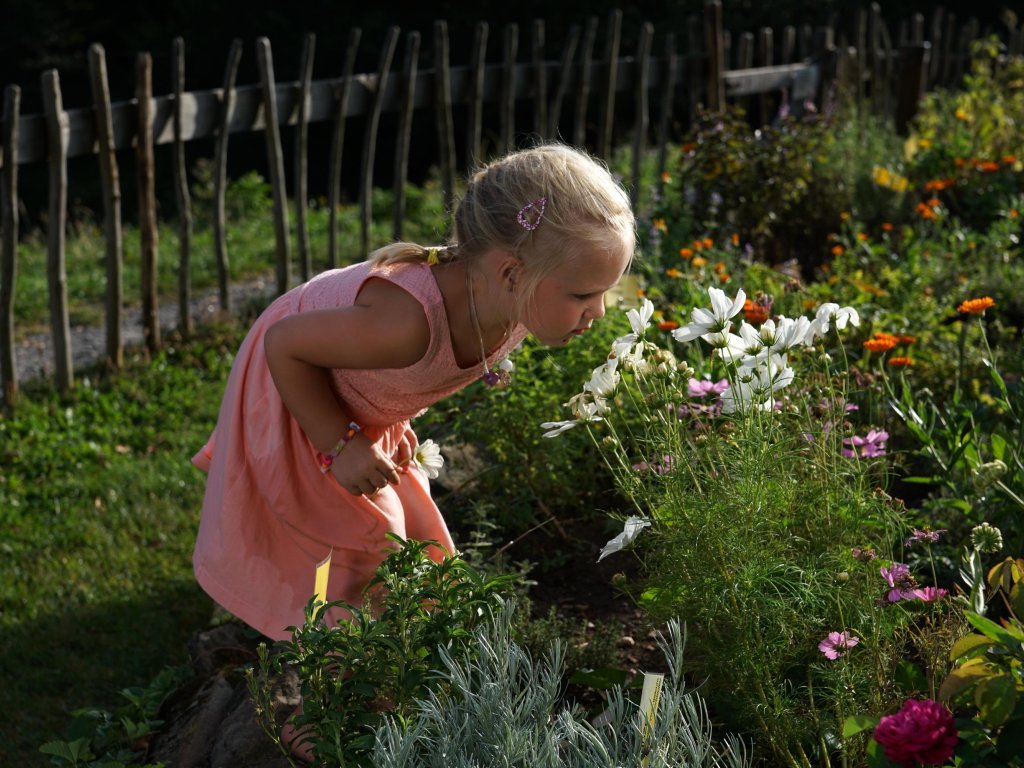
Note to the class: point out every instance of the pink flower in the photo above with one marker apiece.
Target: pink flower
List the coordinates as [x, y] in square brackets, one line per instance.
[922, 732]
[926, 536]
[901, 582]
[867, 447]
[837, 644]
[929, 594]
[703, 388]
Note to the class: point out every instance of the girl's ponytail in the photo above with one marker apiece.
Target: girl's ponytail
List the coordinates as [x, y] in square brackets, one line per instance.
[400, 253]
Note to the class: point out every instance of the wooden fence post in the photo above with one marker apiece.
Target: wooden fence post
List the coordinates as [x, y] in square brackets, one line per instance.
[181, 195]
[338, 144]
[146, 183]
[387, 54]
[579, 126]
[540, 80]
[715, 55]
[404, 137]
[220, 174]
[669, 75]
[564, 77]
[475, 93]
[275, 159]
[508, 86]
[57, 137]
[642, 119]
[766, 48]
[9, 242]
[913, 79]
[443, 107]
[110, 181]
[301, 158]
[611, 71]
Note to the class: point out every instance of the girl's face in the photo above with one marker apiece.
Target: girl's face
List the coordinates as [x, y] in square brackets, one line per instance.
[569, 299]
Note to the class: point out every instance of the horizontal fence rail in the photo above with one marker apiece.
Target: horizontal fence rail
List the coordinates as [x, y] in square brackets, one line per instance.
[584, 88]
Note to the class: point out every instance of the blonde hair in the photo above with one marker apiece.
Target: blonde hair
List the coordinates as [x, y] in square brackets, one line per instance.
[586, 210]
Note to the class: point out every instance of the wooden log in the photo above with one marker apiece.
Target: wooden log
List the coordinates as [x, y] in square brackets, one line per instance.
[715, 55]
[58, 131]
[387, 54]
[507, 103]
[404, 139]
[806, 41]
[611, 70]
[579, 126]
[220, 175]
[912, 84]
[181, 193]
[110, 182]
[443, 112]
[788, 47]
[475, 93]
[341, 92]
[666, 97]
[301, 159]
[145, 176]
[564, 76]
[9, 242]
[766, 49]
[540, 80]
[275, 161]
[641, 122]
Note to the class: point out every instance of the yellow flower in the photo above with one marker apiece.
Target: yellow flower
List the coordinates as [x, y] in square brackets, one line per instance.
[699, 261]
[673, 272]
[659, 224]
[976, 306]
[881, 176]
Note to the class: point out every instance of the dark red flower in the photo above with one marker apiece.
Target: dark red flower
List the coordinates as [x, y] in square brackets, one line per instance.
[921, 733]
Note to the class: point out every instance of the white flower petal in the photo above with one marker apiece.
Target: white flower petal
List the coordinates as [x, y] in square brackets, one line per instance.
[555, 428]
[634, 525]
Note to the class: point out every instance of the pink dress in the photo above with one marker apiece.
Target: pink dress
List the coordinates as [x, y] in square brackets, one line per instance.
[269, 515]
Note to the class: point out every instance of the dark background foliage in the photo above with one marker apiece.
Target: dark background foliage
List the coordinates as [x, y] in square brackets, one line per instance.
[39, 35]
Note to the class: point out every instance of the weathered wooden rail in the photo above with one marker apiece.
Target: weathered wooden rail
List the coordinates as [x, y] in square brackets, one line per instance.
[797, 66]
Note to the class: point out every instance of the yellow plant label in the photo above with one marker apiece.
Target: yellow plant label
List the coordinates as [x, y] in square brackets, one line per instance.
[323, 570]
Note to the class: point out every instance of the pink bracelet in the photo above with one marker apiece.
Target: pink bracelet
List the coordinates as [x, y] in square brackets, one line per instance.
[327, 459]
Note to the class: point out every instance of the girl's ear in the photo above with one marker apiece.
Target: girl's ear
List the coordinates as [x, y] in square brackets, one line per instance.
[510, 271]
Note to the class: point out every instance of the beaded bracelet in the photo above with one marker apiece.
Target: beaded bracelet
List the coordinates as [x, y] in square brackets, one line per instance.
[327, 459]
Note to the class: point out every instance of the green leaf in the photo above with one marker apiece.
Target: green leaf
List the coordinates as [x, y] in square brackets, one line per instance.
[968, 644]
[72, 751]
[910, 678]
[921, 479]
[1010, 637]
[996, 698]
[965, 677]
[855, 724]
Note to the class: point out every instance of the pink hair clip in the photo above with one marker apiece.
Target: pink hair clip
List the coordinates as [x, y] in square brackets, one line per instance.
[529, 215]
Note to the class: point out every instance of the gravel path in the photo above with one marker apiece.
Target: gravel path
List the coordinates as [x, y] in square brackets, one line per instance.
[34, 354]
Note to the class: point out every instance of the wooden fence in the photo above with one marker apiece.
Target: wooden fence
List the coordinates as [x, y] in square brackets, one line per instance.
[714, 68]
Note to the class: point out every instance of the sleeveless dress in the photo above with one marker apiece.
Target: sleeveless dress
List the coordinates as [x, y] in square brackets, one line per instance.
[269, 514]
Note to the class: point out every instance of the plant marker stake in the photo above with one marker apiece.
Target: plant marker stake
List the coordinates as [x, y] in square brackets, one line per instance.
[649, 699]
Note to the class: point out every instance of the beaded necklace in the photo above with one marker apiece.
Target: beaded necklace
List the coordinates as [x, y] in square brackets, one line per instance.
[501, 375]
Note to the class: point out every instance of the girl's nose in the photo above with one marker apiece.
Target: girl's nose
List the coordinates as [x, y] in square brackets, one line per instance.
[596, 310]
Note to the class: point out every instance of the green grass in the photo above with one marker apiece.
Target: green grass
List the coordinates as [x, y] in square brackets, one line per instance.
[99, 507]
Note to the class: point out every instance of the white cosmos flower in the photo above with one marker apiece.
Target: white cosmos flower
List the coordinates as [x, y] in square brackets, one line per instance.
[712, 322]
[629, 533]
[428, 458]
[639, 318]
[827, 313]
[604, 379]
[555, 428]
[626, 347]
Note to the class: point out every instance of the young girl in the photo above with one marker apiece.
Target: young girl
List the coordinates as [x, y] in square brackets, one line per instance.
[311, 449]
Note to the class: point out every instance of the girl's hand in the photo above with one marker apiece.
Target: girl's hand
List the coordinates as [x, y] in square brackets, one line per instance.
[405, 450]
[362, 468]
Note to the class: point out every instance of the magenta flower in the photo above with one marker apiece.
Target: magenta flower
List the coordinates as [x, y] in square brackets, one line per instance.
[837, 644]
[926, 536]
[863, 554]
[929, 594]
[867, 447]
[901, 582]
[921, 733]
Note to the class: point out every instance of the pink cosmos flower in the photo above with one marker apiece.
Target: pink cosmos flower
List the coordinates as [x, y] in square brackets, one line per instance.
[921, 733]
[837, 644]
[929, 594]
[901, 582]
[867, 447]
[703, 387]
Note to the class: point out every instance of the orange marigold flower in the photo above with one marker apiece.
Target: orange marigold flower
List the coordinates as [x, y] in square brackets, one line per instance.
[886, 226]
[1009, 159]
[719, 266]
[937, 185]
[880, 343]
[666, 177]
[707, 242]
[904, 339]
[686, 253]
[933, 202]
[976, 306]
[862, 236]
[899, 362]
[699, 261]
[673, 272]
[988, 166]
[755, 313]
[660, 225]
[689, 147]
[959, 162]
[837, 250]
[697, 245]
[724, 277]
[735, 238]
[667, 325]
[1013, 213]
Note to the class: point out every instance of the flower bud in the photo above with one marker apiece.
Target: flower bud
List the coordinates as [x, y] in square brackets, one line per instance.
[986, 538]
